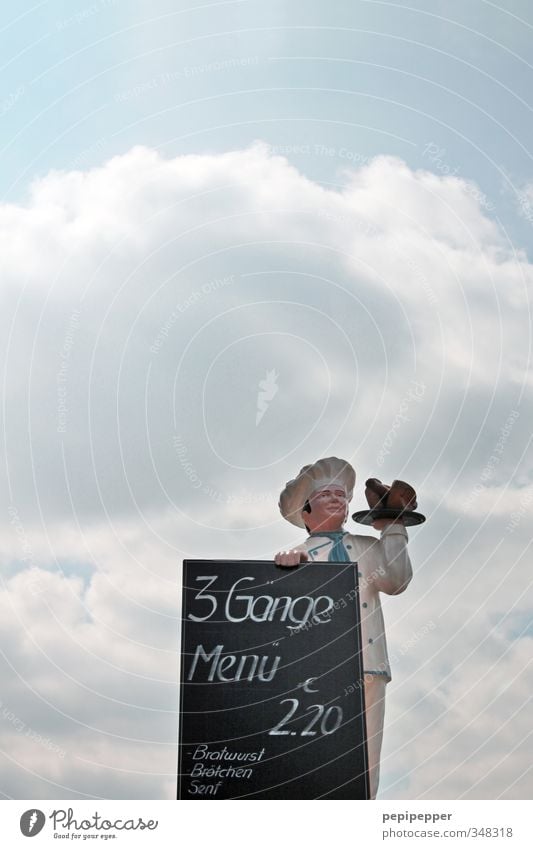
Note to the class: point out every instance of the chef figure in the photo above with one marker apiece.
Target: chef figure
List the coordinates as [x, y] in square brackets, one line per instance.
[317, 500]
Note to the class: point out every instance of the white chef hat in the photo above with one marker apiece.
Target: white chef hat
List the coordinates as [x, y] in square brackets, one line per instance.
[330, 471]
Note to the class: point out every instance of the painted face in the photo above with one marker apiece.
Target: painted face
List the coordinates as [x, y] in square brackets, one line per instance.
[329, 508]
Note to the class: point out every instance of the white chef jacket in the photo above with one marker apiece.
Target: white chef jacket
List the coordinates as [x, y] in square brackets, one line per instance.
[383, 567]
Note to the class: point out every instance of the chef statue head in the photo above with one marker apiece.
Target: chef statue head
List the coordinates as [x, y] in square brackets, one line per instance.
[318, 498]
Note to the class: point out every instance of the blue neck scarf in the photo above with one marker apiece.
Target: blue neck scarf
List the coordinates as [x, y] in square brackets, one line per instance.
[338, 552]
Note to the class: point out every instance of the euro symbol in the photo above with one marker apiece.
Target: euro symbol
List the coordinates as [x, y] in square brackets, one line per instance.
[306, 686]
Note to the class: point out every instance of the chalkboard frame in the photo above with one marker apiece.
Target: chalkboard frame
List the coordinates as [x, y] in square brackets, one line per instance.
[341, 579]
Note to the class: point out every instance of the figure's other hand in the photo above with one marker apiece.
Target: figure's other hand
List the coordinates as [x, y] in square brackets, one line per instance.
[291, 558]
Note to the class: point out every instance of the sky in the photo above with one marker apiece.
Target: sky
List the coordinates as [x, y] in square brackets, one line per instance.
[203, 204]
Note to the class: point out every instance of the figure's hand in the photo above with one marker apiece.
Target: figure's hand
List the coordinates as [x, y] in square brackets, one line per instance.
[291, 558]
[379, 524]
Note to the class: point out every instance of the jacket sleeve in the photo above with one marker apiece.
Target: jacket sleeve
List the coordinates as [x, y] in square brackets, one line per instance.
[395, 573]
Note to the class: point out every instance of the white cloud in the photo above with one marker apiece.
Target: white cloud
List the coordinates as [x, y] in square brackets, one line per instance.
[144, 302]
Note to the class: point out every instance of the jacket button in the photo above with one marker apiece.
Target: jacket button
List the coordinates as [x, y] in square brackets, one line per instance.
[370, 640]
[348, 545]
[365, 604]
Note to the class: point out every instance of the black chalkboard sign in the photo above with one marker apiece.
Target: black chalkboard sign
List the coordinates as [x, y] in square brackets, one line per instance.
[271, 705]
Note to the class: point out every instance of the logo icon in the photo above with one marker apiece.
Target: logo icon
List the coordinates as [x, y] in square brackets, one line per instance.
[32, 822]
[268, 388]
